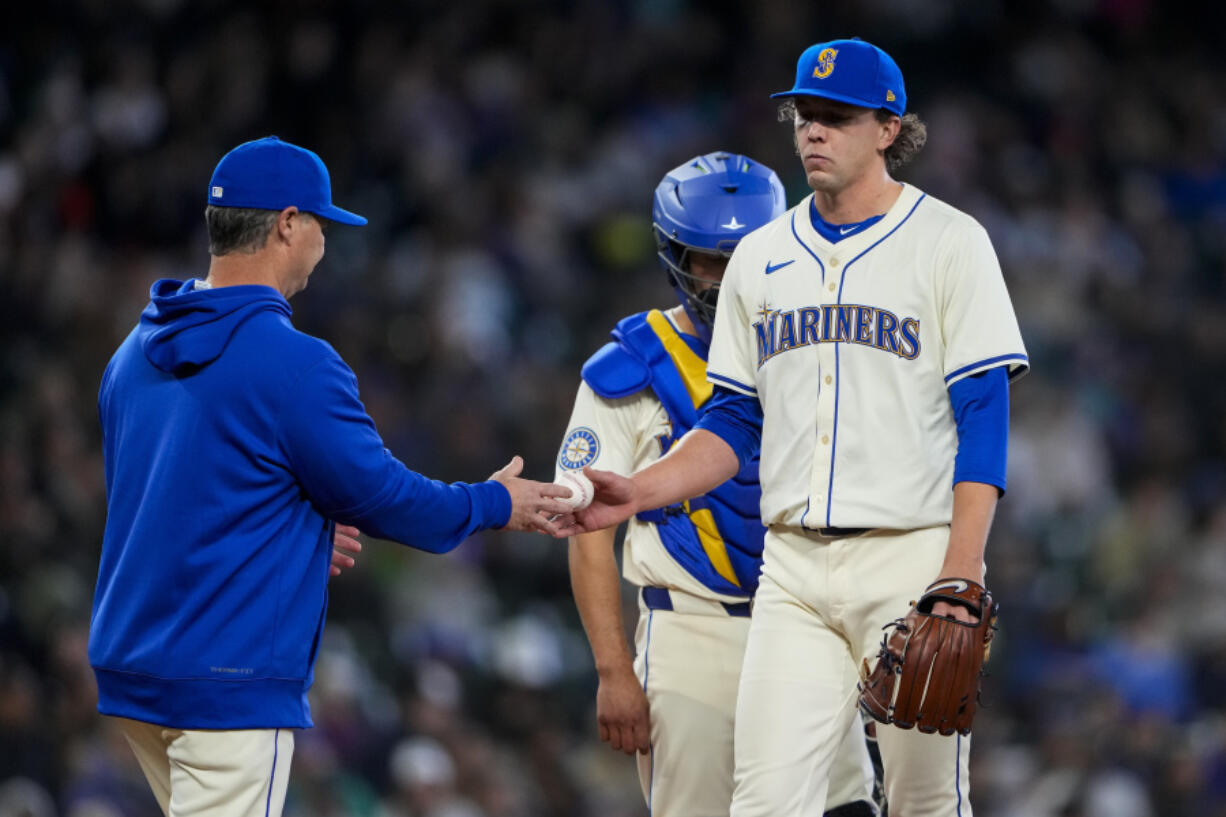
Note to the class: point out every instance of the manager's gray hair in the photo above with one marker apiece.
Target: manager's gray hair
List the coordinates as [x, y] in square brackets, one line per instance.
[238, 229]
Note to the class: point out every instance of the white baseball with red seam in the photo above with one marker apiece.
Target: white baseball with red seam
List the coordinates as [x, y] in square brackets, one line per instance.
[581, 489]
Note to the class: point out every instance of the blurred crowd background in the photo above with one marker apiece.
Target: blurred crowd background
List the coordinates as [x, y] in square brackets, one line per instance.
[505, 152]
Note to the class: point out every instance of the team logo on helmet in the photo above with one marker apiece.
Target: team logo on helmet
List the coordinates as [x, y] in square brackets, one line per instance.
[825, 63]
[579, 449]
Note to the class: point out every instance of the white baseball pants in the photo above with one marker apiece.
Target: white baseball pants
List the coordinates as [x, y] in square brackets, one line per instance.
[207, 773]
[689, 659]
[818, 613]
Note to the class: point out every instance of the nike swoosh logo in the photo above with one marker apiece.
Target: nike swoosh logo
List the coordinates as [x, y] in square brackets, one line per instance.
[773, 267]
[846, 230]
[957, 586]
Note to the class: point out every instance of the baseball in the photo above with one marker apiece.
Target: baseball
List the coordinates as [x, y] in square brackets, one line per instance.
[581, 490]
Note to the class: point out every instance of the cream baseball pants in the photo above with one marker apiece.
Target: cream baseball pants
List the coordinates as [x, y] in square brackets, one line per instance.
[818, 613]
[207, 773]
[689, 661]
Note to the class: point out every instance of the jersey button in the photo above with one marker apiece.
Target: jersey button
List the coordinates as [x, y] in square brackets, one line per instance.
[830, 286]
[829, 380]
[834, 262]
[825, 439]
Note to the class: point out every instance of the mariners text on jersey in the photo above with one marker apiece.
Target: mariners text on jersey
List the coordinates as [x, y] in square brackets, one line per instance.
[780, 331]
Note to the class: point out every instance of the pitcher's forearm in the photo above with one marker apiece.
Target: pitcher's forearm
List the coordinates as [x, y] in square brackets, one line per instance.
[974, 509]
[697, 463]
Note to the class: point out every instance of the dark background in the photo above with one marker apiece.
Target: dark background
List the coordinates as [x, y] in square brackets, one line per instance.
[505, 152]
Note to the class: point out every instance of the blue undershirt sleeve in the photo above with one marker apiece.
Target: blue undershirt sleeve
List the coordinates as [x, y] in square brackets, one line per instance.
[736, 419]
[981, 411]
[340, 460]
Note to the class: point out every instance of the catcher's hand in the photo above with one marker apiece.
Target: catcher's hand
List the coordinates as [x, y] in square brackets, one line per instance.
[928, 669]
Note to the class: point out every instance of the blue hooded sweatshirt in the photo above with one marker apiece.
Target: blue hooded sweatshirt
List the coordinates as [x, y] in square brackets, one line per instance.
[233, 445]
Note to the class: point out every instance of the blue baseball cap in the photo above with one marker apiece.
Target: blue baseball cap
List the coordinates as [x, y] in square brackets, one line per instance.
[268, 174]
[850, 71]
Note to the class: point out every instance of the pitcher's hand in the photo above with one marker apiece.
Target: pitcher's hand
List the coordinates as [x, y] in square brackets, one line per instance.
[614, 502]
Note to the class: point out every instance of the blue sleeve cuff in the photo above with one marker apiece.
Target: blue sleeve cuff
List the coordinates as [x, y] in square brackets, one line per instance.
[736, 419]
[491, 505]
[981, 411]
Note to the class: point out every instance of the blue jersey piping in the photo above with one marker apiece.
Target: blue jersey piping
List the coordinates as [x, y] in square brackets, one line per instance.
[991, 361]
[838, 380]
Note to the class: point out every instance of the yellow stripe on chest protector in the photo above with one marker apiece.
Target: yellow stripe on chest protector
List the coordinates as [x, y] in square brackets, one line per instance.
[712, 543]
[693, 371]
[691, 367]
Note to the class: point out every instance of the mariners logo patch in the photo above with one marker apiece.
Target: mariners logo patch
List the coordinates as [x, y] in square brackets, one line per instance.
[579, 449]
[825, 63]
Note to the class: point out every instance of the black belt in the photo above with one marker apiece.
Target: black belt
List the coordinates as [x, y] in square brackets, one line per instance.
[658, 598]
[835, 533]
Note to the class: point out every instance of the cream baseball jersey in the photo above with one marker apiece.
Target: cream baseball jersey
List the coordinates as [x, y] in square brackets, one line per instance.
[624, 435]
[851, 348]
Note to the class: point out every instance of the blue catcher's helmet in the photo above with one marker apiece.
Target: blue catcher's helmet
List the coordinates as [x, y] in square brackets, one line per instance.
[708, 205]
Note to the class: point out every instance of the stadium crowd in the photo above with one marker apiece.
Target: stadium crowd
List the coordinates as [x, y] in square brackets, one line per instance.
[505, 152]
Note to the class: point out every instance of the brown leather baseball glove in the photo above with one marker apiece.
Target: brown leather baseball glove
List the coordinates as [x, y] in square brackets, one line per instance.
[928, 669]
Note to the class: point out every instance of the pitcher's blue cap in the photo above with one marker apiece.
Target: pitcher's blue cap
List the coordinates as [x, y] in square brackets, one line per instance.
[850, 71]
[269, 174]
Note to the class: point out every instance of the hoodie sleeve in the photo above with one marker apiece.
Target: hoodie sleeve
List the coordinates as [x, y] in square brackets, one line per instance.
[336, 453]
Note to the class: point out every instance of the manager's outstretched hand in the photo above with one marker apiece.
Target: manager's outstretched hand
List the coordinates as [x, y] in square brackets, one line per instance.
[614, 501]
[534, 505]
